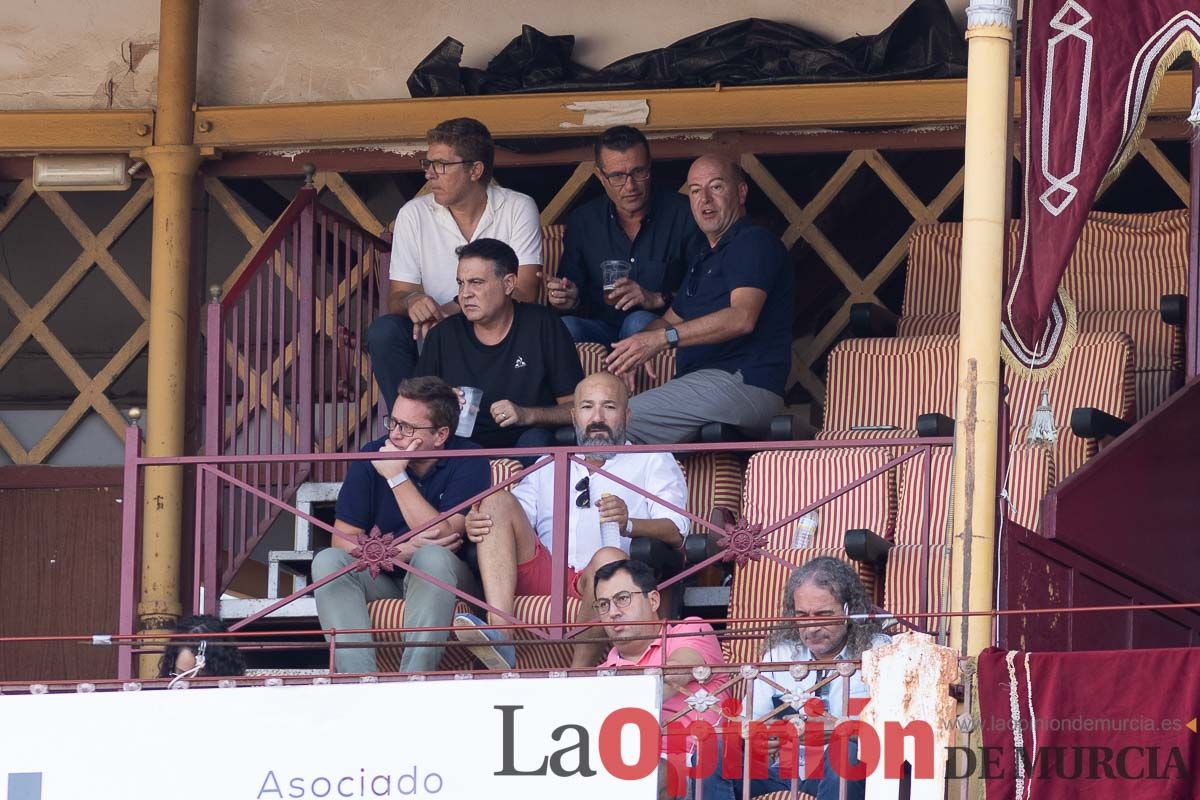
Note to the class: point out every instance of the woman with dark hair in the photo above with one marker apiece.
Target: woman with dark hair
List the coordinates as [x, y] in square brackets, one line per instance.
[191, 657]
[822, 587]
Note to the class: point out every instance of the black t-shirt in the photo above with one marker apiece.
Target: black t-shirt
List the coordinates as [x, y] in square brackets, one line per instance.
[535, 364]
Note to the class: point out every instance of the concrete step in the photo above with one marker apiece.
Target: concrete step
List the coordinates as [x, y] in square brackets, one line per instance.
[296, 563]
[302, 608]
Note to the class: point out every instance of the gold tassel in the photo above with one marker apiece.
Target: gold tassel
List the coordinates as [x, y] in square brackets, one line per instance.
[1042, 430]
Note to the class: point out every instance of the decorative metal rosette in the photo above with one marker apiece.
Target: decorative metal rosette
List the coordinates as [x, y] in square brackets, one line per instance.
[743, 542]
[375, 553]
[702, 701]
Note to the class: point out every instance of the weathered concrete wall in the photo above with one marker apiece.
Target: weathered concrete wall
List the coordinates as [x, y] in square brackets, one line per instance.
[102, 53]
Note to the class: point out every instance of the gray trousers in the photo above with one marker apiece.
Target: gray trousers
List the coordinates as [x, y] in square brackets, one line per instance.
[342, 604]
[677, 410]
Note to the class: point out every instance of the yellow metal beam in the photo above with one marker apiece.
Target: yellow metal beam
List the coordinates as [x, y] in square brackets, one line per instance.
[891, 103]
[81, 131]
[376, 122]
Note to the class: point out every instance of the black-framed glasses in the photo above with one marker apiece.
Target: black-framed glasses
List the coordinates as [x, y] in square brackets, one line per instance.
[439, 167]
[620, 600]
[391, 424]
[584, 487]
[619, 179]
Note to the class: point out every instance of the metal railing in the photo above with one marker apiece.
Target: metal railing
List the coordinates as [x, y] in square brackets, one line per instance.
[226, 482]
[286, 370]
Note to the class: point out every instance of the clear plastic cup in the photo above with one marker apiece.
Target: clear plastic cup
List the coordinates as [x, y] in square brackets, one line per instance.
[469, 410]
[613, 271]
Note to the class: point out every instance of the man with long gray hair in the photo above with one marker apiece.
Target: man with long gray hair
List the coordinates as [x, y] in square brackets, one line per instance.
[823, 587]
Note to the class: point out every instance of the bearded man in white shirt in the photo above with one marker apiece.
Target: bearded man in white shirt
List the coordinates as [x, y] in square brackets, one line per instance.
[462, 205]
[513, 531]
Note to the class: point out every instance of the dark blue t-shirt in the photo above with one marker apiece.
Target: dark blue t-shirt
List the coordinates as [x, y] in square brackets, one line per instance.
[746, 256]
[366, 500]
[666, 242]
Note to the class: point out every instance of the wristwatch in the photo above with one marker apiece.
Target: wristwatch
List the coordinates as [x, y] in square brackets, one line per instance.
[396, 480]
[628, 526]
[672, 337]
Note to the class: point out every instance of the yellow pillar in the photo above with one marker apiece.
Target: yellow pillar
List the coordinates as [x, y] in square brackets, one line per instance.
[985, 198]
[173, 160]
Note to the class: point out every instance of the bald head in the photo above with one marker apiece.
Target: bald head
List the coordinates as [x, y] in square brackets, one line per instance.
[601, 410]
[717, 189]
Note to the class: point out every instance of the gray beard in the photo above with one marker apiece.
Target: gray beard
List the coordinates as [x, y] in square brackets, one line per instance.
[599, 440]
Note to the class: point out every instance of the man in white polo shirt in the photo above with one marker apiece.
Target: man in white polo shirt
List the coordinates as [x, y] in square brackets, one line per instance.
[461, 206]
[514, 532]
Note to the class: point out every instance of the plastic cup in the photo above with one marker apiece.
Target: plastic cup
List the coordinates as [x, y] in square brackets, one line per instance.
[469, 410]
[613, 271]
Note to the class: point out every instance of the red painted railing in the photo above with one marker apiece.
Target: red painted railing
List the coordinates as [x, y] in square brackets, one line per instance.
[286, 372]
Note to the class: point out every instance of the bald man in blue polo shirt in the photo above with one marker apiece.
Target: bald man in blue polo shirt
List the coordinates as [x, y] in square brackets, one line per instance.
[731, 322]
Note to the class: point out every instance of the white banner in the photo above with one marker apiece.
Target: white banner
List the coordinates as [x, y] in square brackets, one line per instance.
[449, 740]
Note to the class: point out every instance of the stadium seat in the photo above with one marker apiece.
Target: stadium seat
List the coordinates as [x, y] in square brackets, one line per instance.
[714, 480]
[552, 250]
[591, 357]
[532, 610]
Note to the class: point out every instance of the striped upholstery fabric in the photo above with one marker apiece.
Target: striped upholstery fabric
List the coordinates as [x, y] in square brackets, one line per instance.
[927, 325]
[664, 370]
[757, 592]
[1121, 266]
[591, 357]
[911, 492]
[1098, 374]
[780, 483]
[533, 610]
[552, 250]
[714, 480]
[902, 583]
[1155, 345]
[1032, 473]
[390, 614]
[782, 796]
[503, 469]
[889, 381]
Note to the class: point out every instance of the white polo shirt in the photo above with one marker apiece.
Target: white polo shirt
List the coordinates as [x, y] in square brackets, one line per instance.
[657, 473]
[426, 237]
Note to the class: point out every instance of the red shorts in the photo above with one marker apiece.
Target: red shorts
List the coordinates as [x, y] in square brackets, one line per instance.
[535, 576]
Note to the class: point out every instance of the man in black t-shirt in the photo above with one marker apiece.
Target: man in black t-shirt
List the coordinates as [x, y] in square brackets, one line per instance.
[519, 354]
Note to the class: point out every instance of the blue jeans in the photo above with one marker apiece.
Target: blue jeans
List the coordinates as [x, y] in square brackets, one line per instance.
[718, 787]
[594, 330]
[393, 353]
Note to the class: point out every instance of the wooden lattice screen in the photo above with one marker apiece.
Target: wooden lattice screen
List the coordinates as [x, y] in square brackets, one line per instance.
[92, 391]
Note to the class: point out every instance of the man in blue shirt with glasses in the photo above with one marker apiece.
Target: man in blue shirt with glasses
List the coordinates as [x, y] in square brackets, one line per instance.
[394, 496]
[649, 229]
[731, 323]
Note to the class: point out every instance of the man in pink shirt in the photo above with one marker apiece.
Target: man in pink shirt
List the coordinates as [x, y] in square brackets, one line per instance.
[626, 594]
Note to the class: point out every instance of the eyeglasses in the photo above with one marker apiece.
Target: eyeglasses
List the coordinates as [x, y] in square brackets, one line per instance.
[391, 424]
[584, 488]
[620, 600]
[619, 179]
[439, 167]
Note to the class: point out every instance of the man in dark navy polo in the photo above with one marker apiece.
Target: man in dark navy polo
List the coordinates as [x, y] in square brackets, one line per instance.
[731, 322]
[396, 495]
[651, 229]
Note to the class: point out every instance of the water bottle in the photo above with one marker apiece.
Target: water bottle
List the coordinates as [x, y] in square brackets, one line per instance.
[610, 532]
[806, 528]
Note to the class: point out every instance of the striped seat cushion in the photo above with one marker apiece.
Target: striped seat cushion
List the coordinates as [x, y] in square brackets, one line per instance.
[1098, 374]
[1156, 348]
[1032, 473]
[1127, 261]
[780, 483]
[664, 370]
[532, 610]
[714, 480]
[910, 480]
[902, 583]
[552, 250]
[390, 614]
[890, 381]
[757, 592]
[503, 469]
[591, 357]
[782, 796]
[927, 325]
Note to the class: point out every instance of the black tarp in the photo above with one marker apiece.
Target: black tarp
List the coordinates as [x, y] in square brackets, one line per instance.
[923, 42]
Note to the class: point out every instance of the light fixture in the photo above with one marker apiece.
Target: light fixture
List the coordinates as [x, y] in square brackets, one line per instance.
[82, 173]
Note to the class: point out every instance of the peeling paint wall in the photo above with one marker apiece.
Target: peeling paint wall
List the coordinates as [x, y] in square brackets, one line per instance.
[101, 54]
